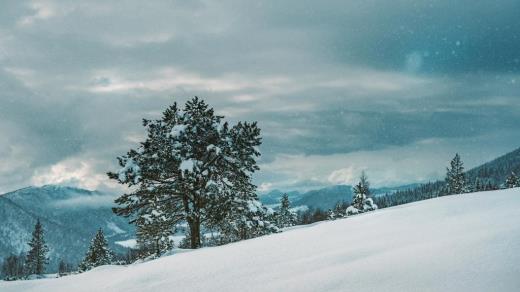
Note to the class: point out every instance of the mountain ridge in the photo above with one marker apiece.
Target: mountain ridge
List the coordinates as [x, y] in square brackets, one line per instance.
[74, 216]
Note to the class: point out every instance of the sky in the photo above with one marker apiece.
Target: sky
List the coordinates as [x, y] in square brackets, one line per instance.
[393, 88]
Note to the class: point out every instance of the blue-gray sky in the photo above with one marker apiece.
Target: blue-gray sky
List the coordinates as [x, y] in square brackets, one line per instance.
[391, 87]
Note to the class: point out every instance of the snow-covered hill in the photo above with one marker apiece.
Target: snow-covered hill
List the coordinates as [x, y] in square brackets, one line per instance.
[466, 242]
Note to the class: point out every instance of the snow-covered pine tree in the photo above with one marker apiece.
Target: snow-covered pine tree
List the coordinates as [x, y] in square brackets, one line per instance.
[339, 210]
[154, 238]
[38, 249]
[361, 192]
[361, 201]
[285, 217]
[512, 181]
[245, 218]
[192, 163]
[241, 215]
[331, 215]
[98, 253]
[455, 178]
[154, 229]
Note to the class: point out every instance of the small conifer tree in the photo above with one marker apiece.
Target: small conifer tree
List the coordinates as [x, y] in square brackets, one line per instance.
[512, 181]
[455, 178]
[37, 255]
[98, 253]
[285, 217]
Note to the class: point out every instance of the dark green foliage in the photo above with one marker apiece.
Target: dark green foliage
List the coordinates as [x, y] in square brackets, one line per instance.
[192, 167]
[153, 235]
[512, 181]
[37, 255]
[361, 201]
[361, 192]
[13, 267]
[497, 171]
[422, 192]
[246, 219]
[284, 216]
[312, 215]
[98, 253]
[64, 268]
[455, 178]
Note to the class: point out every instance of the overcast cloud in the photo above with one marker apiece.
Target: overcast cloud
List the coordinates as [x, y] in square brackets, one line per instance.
[391, 87]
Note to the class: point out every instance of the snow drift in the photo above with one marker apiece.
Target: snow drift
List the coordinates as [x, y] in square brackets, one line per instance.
[467, 242]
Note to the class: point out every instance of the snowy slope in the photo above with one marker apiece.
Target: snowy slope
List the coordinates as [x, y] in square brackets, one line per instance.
[468, 242]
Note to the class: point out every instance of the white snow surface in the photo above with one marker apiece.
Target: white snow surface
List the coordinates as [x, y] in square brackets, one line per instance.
[467, 242]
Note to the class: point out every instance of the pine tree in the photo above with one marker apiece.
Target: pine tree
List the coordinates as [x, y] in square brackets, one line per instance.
[361, 201]
[98, 253]
[245, 219]
[64, 268]
[455, 178]
[478, 185]
[285, 217]
[191, 167]
[37, 255]
[154, 231]
[361, 192]
[512, 181]
[153, 238]
[13, 267]
[331, 215]
[339, 210]
[241, 216]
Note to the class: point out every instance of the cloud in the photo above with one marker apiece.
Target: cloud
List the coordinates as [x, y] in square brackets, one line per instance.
[423, 161]
[327, 83]
[265, 187]
[72, 171]
[90, 201]
[41, 10]
[171, 79]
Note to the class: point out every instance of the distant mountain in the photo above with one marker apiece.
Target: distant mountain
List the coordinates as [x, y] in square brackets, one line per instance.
[324, 198]
[496, 171]
[490, 176]
[274, 196]
[70, 217]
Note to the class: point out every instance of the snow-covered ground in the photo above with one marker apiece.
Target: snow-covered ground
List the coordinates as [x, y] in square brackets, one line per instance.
[468, 242]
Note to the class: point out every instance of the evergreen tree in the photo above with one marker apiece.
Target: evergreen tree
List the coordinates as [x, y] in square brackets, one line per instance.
[331, 215]
[512, 181]
[246, 219]
[64, 268]
[98, 253]
[285, 217]
[37, 255]
[455, 178]
[154, 230]
[339, 210]
[361, 192]
[191, 167]
[13, 267]
[478, 185]
[361, 201]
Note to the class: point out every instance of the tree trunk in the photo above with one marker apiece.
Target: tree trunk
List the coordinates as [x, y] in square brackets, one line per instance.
[194, 232]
